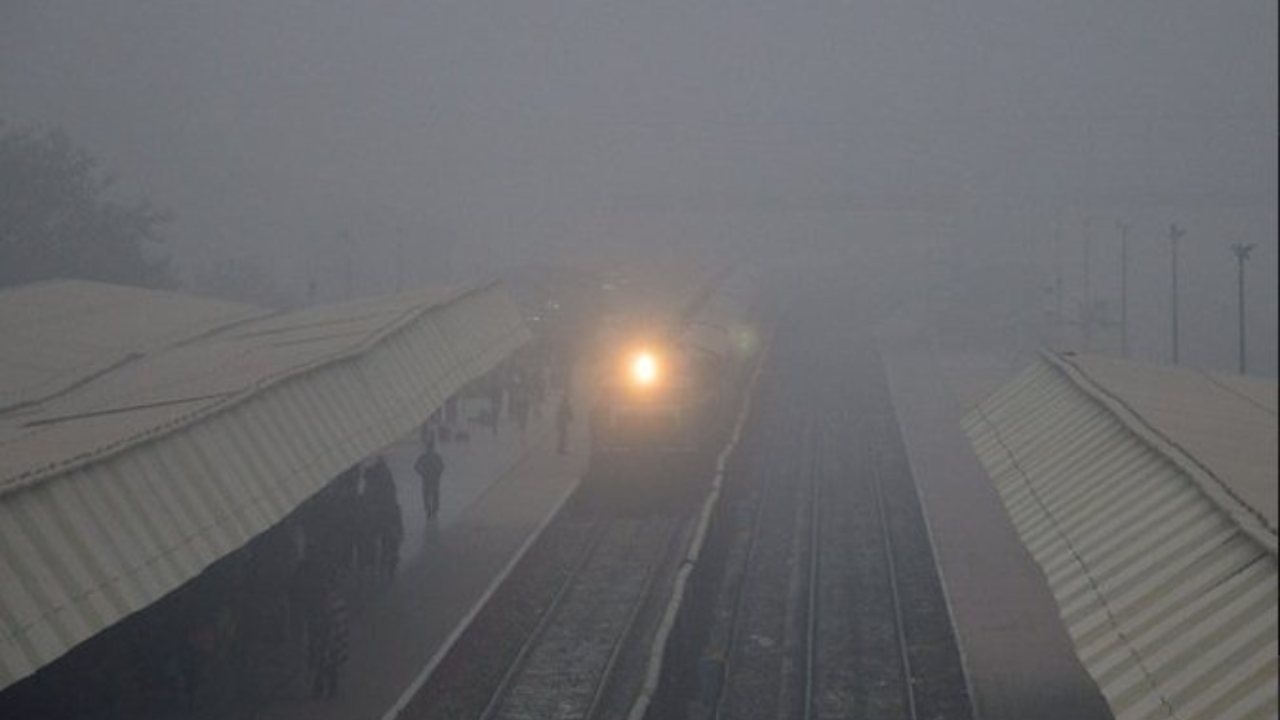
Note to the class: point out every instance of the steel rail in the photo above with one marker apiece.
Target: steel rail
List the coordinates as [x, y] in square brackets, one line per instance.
[735, 615]
[811, 601]
[899, 623]
[531, 642]
[554, 612]
[619, 642]
[815, 553]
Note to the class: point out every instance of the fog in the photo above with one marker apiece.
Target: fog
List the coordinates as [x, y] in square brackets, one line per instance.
[938, 143]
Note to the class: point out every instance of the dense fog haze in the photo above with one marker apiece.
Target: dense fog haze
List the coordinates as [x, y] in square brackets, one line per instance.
[951, 149]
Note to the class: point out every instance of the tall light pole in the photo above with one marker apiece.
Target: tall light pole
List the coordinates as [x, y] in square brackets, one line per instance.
[1057, 272]
[1175, 234]
[1242, 253]
[344, 240]
[1124, 229]
[1088, 269]
[400, 261]
[1086, 306]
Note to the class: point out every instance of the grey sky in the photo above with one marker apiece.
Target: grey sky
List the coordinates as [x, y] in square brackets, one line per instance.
[523, 128]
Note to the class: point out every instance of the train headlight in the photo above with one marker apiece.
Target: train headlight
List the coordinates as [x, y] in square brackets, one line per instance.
[644, 369]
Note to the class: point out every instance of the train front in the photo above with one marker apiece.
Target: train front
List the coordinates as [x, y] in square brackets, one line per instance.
[648, 401]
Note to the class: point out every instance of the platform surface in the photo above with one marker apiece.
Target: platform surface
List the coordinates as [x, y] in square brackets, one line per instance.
[496, 493]
[1020, 662]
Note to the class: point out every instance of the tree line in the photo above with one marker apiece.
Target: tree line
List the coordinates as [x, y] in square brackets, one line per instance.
[57, 219]
[60, 219]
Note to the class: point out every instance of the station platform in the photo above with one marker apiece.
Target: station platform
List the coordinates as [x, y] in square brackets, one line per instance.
[498, 490]
[1018, 657]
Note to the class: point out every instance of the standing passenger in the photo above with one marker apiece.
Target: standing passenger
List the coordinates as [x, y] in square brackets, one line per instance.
[520, 406]
[390, 537]
[379, 483]
[451, 410]
[306, 596]
[328, 641]
[564, 416]
[383, 529]
[430, 467]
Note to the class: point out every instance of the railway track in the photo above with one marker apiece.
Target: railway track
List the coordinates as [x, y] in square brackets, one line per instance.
[859, 638]
[568, 634]
[564, 668]
[760, 662]
[836, 608]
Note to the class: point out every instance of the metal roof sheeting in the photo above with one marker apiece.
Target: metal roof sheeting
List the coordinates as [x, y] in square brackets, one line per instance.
[1171, 603]
[129, 483]
[1221, 429]
[59, 333]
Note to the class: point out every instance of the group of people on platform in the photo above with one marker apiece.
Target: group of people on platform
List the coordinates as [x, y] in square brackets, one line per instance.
[356, 533]
[275, 614]
[516, 391]
[359, 526]
[353, 527]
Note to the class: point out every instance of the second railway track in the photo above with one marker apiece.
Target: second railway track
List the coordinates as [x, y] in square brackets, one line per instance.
[833, 608]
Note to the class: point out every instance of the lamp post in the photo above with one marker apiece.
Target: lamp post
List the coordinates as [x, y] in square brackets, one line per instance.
[1124, 229]
[1242, 253]
[400, 260]
[344, 242]
[1088, 268]
[1175, 234]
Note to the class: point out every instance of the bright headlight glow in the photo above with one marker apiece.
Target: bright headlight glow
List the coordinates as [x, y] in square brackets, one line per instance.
[644, 369]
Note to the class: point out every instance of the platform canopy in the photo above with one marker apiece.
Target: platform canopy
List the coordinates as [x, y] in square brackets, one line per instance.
[1147, 495]
[146, 434]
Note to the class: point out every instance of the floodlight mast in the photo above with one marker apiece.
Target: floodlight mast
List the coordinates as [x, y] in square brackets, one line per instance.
[1124, 229]
[1241, 252]
[1175, 234]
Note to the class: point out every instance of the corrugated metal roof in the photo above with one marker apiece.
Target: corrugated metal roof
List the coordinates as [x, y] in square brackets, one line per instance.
[1222, 428]
[128, 483]
[1170, 600]
[59, 333]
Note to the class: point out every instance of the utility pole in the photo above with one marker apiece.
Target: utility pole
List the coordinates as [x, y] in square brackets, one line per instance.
[1088, 267]
[344, 239]
[1086, 308]
[1175, 234]
[1242, 253]
[1057, 277]
[400, 262]
[1124, 229]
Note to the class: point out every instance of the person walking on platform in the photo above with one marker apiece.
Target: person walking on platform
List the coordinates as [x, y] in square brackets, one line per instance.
[430, 467]
[564, 416]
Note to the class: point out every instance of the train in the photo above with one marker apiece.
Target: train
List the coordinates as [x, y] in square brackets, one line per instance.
[661, 391]
[652, 397]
